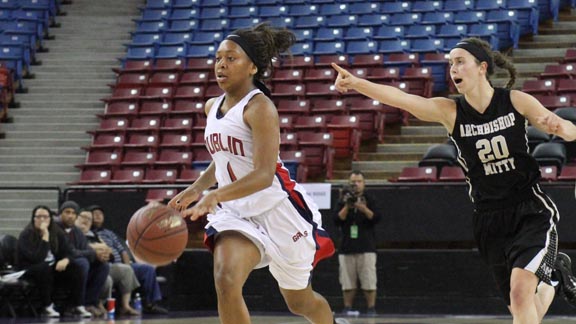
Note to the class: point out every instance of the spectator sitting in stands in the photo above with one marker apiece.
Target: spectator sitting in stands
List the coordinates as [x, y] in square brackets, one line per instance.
[43, 251]
[121, 275]
[145, 273]
[94, 271]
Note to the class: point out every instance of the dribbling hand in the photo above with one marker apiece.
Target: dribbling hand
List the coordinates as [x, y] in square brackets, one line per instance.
[344, 80]
[182, 200]
[206, 205]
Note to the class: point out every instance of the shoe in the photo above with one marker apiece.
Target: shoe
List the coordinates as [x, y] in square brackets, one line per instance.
[371, 312]
[50, 312]
[155, 309]
[95, 311]
[341, 321]
[128, 312]
[566, 278]
[81, 310]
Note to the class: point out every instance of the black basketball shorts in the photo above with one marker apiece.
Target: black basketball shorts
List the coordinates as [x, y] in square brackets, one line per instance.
[520, 236]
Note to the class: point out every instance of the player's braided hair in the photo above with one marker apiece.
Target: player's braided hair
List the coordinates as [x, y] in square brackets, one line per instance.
[268, 43]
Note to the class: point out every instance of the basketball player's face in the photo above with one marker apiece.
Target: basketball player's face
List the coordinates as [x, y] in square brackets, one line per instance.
[464, 70]
[233, 68]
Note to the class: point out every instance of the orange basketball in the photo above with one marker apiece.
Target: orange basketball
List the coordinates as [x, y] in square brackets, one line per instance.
[157, 234]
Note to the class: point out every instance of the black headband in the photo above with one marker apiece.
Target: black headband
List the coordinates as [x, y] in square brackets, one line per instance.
[478, 52]
[249, 50]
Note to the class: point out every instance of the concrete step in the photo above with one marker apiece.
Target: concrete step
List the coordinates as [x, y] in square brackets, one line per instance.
[43, 150]
[47, 97]
[64, 82]
[60, 102]
[545, 55]
[522, 70]
[101, 90]
[44, 195]
[23, 204]
[558, 27]
[107, 75]
[423, 130]
[403, 148]
[390, 156]
[387, 166]
[47, 135]
[28, 178]
[48, 159]
[415, 139]
[29, 114]
[76, 68]
[547, 41]
[370, 176]
[84, 60]
[35, 143]
[36, 167]
[25, 214]
[69, 123]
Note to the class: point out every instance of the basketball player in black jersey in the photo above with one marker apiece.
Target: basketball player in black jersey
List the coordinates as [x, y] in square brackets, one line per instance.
[514, 221]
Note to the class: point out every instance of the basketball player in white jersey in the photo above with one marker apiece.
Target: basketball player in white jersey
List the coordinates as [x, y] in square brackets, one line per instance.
[258, 216]
[514, 220]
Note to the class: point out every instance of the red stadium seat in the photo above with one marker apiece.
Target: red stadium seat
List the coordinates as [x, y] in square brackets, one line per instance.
[293, 107]
[368, 60]
[295, 162]
[296, 91]
[169, 65]
[188, 107]
[319, 151]
[205, 64]
[131, 79]
[139, 159]
[553, 102]
[568, 173]
[559, 71]
[286, 123]
[189, 176]
[347, 135]
[326, 60]
[127, 176]
[106, 142]
[158, 93]
[570, 56]
[288, 141]
[124, 94]
[321, 105]
[566, 87]
[112, 126]
[320, 74]
[155, 108]
[94, 177]
[451, 173]
[213, 90]
[147, 125]
[178, 125]
[142, 141]
[310, 123]
[120, 109]
[135, 66]
[370, 113]
[288, 75]
[100, 159]
[545, 87]
[189, 92]
[194, 78]
[549, 173]
[160, 176]
[298, 62]
[418, 174]
[173, 158]
[383, 74]
[164, 79]
[421, 82]
[175, 141]
[319, 88]
[160, 195]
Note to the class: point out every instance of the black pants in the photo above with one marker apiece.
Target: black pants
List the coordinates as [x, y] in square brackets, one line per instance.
[47, 279]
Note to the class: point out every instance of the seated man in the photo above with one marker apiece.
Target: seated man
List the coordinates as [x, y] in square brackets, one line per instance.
[121, 275]
[94, 271]
[145, 273]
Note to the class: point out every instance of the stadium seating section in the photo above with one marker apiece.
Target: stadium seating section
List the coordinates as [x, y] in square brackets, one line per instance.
[155, 116]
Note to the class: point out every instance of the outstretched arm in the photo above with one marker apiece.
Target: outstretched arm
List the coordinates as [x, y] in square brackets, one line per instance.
[441, 110]
[542, 118]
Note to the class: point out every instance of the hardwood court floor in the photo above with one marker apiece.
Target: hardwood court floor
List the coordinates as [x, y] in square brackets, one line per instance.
[194, 318]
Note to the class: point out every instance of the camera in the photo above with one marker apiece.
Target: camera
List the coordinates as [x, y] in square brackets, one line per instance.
[349, 195]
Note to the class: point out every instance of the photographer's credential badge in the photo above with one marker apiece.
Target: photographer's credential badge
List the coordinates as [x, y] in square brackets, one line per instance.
[354, 231]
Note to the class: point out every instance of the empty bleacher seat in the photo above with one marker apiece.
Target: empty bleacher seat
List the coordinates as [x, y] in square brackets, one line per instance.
[418, 174]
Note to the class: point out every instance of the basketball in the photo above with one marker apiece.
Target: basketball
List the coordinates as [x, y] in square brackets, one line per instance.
[157, 234]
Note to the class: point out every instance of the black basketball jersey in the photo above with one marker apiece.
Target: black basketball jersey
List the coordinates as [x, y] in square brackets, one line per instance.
[493, 150]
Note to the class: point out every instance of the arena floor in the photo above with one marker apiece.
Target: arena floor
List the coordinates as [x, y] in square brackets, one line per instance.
[195, 318]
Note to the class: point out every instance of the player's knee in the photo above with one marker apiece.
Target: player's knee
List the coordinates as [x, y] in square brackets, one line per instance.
[226, 281]
[520, 298]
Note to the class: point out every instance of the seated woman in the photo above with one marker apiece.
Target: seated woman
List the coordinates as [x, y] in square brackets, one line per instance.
[122, 276]
[44, 253]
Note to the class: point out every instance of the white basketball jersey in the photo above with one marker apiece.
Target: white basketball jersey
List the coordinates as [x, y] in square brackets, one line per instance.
[229, 141]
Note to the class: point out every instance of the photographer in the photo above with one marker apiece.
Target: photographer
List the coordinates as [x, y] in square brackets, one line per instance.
[357, 255]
